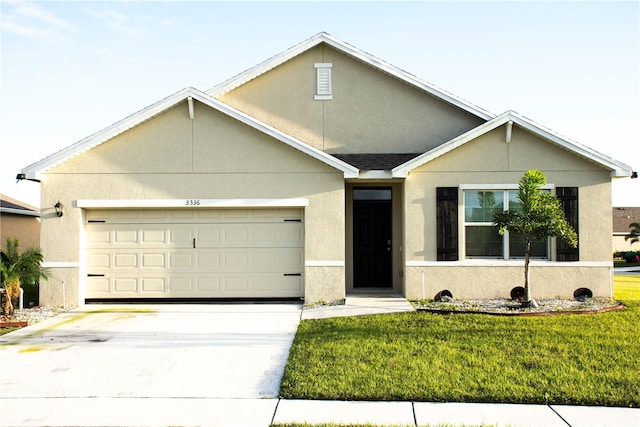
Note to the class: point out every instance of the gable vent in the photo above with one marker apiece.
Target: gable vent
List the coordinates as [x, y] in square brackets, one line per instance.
[323, 82]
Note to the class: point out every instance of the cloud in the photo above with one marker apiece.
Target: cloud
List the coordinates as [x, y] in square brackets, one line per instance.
[33, 22]
[115, 20]
[30, 10]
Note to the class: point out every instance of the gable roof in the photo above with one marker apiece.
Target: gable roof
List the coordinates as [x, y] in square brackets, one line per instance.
[9, 205]
[356, 53]
[623, 216]
[617, 168]
[35, 170]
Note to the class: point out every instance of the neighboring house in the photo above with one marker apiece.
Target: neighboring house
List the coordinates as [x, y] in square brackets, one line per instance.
[320, 172]
[20, 221]
[622, 217]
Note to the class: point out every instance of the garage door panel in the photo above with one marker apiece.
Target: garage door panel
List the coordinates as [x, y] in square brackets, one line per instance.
[99, 260]
[99, 237]
[151, 260]
[126, 237]
[125, 284]
[181, 236]
[125, 261]
[133, 216]
[180, 285]
[181, 260]
[238, 253]
[151, 284]
[209, 284]
[154, 236]
[99, 285]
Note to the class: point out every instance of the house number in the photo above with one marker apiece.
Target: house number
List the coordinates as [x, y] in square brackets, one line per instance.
[193, 202]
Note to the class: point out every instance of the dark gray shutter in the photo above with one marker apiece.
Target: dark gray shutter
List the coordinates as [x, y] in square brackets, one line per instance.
[447, 223]
[568, 197]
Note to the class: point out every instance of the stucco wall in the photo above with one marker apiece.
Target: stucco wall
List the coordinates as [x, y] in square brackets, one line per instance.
[371, 112]
[173, 157]
[548, 280]
[490, 160]
[25, 228]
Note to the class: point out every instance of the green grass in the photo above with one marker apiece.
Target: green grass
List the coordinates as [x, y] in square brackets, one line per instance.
[626, 288]
[568, 359]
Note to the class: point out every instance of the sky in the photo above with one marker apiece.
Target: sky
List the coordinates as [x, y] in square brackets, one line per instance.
[69, 69]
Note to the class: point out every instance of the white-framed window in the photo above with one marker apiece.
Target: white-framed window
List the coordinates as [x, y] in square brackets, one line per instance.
[481, 237]
[323, 81]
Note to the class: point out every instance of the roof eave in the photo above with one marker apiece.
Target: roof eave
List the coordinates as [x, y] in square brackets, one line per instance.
[617, 168]
[352, 51]
[19, 212]
[35, 171]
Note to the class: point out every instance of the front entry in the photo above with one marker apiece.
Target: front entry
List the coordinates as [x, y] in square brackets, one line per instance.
[372, 237]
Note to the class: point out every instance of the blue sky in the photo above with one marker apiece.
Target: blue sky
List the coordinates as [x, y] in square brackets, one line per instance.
[69, 69]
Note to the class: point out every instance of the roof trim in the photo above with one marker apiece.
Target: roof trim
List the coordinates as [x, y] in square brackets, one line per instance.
[352, 51]
[35, 170]
[19, 212]
[617, 168]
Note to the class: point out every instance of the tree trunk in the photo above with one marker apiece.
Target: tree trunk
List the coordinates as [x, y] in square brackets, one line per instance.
[11, 292]
[529, 302]
[7, 305]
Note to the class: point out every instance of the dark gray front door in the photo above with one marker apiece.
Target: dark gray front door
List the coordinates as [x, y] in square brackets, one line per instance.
[372, 237]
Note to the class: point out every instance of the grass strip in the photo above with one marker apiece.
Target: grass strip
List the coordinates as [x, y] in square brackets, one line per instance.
[569, 359]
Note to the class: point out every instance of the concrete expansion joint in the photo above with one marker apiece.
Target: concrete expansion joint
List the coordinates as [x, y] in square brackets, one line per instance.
[275, 411]
[559, 416]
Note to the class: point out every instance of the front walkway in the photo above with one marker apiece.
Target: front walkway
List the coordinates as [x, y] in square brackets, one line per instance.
[360, 304]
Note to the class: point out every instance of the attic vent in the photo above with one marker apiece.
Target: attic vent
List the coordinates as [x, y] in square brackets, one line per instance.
[323, 83]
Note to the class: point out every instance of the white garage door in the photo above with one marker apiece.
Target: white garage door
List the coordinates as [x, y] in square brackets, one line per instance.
[199, 253]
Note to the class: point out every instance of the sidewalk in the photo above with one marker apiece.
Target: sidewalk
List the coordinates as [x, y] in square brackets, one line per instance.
[264, 412]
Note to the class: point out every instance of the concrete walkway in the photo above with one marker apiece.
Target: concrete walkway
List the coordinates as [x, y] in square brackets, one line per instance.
[135, 366]
[359, 305]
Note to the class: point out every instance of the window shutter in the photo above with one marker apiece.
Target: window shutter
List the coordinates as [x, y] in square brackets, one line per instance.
[568, 197]
[447, 223]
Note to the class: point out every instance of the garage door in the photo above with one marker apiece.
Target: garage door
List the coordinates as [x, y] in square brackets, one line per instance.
[199, 253]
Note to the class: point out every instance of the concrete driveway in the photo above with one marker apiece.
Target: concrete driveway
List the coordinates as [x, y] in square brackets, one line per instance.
[230, 351]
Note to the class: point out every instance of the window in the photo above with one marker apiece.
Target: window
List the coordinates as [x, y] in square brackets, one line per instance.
[482, 239]
[323, 81]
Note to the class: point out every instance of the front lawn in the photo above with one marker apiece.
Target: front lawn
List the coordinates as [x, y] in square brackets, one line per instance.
[567, 359]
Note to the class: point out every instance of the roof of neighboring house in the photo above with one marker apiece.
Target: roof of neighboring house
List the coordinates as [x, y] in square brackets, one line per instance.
[376, 161]
[623, 216]
[12, 206]
[356, 53]
[509, 118]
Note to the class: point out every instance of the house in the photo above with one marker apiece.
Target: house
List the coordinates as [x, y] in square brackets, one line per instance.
[19, 220]
[318, 173]
[622, 217]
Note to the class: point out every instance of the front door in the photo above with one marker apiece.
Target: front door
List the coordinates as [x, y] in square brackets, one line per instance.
[372, 237]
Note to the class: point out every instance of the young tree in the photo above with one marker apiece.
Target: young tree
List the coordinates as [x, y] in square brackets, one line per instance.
[538, 217]
[18, 268]
[634, 233]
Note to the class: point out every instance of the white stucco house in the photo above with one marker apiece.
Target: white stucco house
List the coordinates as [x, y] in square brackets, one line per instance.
[320, 172]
